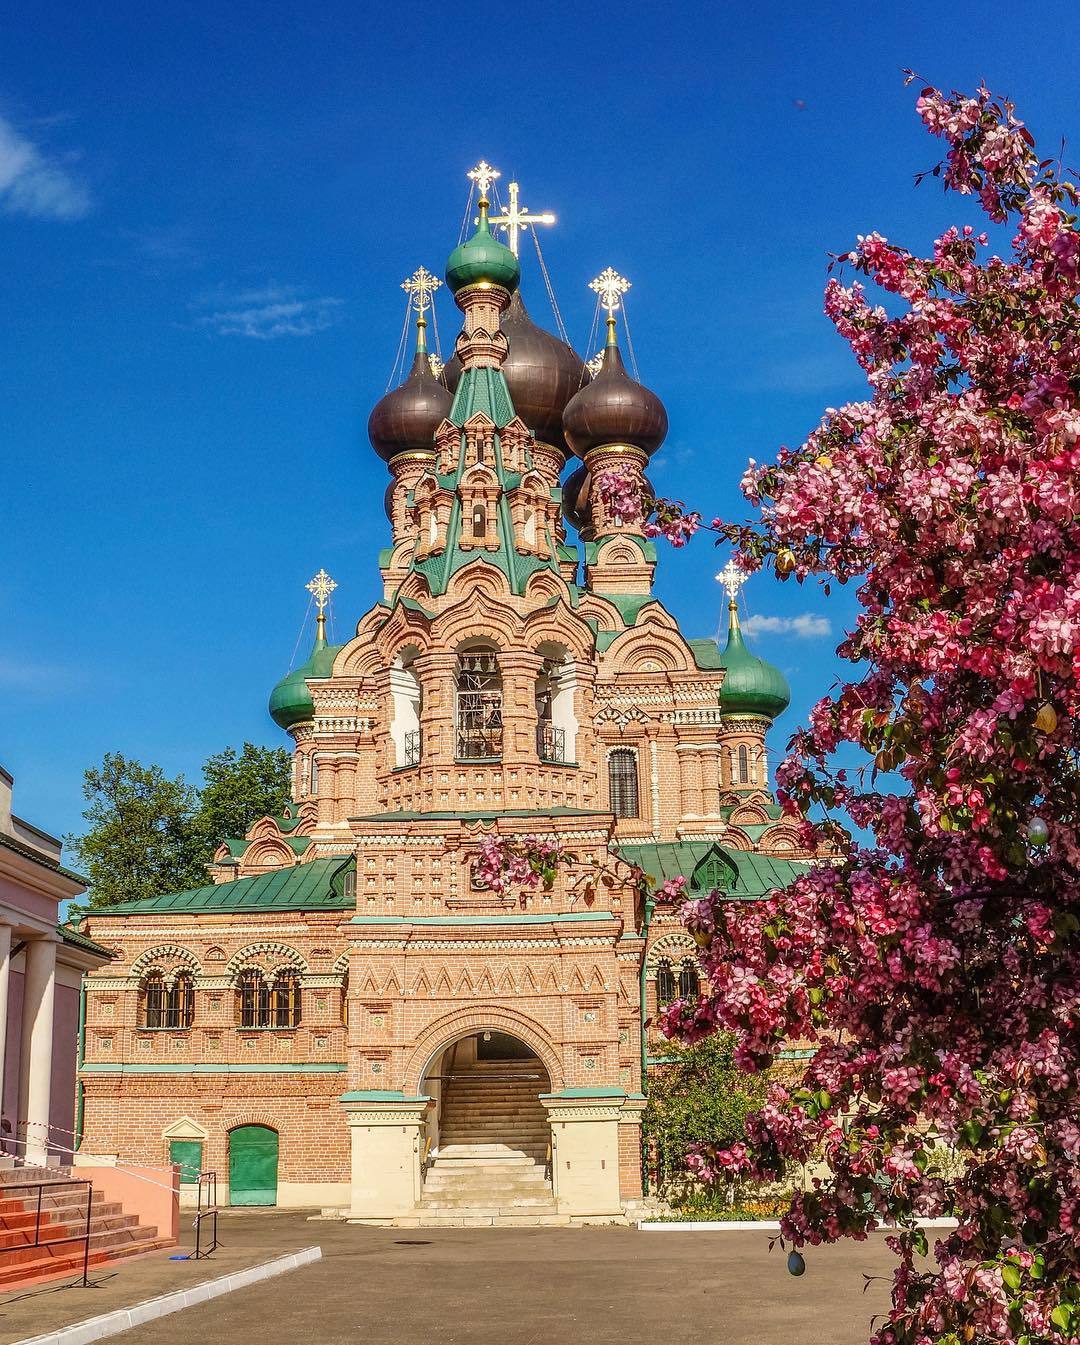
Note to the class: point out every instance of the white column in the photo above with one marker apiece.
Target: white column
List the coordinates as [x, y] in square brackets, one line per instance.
[5, 977]
[35, 1071]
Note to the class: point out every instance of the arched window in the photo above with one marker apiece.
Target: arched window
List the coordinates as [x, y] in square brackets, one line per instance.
[252, 999]
[556, 722]
[665, 982]
[479, 705]
[528, 532]
[689, 981]
[314, 786]
[432, 529]
[345, 1000]
[623, 782]
[744, 765]
[479, 522]
[153, 1000]
[285, 1000]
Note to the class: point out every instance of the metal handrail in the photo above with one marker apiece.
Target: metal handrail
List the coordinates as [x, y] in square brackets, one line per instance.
[83, 1237]
[207, 1179]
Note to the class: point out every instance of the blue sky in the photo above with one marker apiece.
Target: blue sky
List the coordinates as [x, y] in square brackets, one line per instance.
[206, 213]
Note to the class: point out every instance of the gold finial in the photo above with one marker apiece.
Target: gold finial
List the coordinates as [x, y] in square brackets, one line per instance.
[320, 589]
[596, 363]
[517, 218]
[732, 577]
[610, 286]
[420, 286]
[483, 175]
[436, 366]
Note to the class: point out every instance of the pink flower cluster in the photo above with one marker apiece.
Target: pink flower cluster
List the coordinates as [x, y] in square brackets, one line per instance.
[936, 970]
[505, 863]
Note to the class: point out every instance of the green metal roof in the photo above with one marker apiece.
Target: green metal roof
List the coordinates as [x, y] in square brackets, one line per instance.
[751, 875]
[72, 936]
[706, 653]
[316, 886]
[39, 857]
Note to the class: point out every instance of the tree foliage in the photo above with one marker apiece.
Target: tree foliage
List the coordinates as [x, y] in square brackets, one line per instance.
[147, 834]
[239, 788]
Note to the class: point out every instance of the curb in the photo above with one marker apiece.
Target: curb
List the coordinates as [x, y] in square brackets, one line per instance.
[751, 1226]
[122, 1319]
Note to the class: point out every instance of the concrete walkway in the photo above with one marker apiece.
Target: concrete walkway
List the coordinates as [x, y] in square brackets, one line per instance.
[383, 1286]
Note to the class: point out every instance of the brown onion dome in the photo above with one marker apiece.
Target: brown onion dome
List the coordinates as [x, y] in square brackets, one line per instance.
[405, 420]
[542, 373]
[614, 409]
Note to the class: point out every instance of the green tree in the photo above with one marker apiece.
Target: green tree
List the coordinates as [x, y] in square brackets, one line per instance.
[239, 788]
[141, 840]
[698, 1098]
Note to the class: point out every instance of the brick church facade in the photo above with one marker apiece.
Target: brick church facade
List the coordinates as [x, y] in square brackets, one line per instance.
[344, 1017]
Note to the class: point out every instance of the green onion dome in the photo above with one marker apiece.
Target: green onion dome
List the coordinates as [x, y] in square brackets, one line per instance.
[751, 686]
[482, 259]
[290, 700]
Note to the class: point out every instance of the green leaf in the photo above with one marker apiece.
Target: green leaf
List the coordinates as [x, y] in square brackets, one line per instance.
[1011, 1276]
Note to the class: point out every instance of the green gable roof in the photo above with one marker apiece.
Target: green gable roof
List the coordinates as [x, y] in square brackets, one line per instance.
[316, 886]
[750, 875]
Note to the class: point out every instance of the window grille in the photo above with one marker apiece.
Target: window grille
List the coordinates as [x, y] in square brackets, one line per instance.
[314, 786]
[744, 765]
[274, 1005]
[665, 982]
[169, 1005]
[689, 981]
[623, 782]
[550, 742]
[154, 1001]
[479, 707]
[412, 748]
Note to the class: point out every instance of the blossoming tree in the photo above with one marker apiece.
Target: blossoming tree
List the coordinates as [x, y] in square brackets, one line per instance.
[936, 972]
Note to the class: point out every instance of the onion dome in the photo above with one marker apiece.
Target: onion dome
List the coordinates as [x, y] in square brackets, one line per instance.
[751, 686]
[482, 259]
[405, 420]
[290, 700]
[614, 409]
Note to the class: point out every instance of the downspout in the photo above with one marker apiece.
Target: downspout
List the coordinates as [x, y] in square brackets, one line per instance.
[650, 906]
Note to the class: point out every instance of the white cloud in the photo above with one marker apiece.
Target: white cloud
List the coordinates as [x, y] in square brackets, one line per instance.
[805, 626]
[33, 184]
[264, 314]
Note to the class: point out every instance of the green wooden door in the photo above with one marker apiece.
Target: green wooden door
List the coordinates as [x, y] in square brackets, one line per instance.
[188, 1154]
[253, 1164]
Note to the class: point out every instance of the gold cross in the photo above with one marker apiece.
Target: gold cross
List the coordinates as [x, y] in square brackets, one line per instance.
[732, 577]
[483, 175]
[610, 286]
[420, 286]
[320, 589]
[518, 218]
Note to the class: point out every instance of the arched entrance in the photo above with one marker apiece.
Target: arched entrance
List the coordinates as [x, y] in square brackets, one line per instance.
[487, 1142]
[253, 1165]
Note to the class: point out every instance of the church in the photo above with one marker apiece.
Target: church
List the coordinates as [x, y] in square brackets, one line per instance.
[345, 1016]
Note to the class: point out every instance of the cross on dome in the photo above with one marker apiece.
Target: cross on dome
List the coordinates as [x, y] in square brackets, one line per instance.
[320, 589]
[517, 218]
[420, 286]
[483, 175]
[732, 577]
[610, 286]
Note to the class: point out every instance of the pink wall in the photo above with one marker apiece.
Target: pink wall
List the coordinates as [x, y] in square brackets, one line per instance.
[65, 1053]
[151, 1193]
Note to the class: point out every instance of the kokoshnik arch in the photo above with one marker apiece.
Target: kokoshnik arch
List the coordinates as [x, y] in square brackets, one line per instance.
[343, 1000]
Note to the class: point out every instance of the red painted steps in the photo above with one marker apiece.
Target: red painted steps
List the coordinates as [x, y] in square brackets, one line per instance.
[113, 1234]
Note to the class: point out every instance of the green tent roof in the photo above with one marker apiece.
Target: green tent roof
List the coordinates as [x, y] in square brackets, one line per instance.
[316, 886]
[747, 875]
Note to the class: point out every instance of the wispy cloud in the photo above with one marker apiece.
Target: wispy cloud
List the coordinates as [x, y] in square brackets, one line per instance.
[265, 314]
[35, 184]
[805, 626]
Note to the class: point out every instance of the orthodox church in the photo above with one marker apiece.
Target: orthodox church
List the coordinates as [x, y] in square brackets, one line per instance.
[346, 1016]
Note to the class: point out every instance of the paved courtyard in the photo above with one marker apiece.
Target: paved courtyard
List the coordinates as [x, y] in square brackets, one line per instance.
[513, 1287]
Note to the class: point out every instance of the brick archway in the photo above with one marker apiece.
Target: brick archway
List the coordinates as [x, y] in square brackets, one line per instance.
[482, 1018]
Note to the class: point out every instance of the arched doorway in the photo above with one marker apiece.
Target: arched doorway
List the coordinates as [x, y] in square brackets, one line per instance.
[487, 1140]
[253, 1165]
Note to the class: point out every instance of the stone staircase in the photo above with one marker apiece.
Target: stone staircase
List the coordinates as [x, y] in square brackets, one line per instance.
[113, 1234]
[490, 1166]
